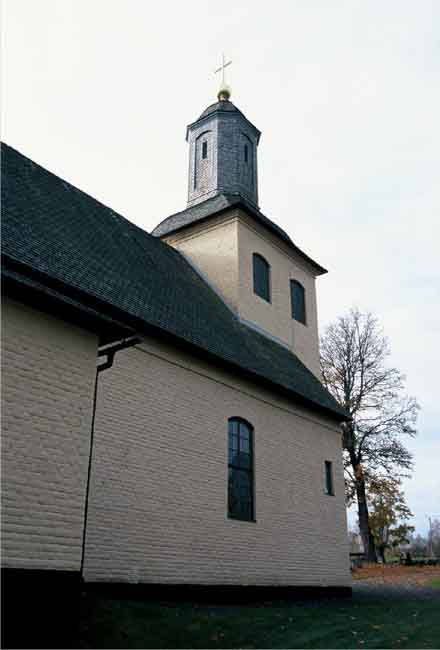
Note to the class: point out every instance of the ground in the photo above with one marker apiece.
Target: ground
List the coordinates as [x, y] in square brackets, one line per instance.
[392, 607]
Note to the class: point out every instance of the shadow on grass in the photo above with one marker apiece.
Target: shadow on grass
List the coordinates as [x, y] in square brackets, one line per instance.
[109, 623]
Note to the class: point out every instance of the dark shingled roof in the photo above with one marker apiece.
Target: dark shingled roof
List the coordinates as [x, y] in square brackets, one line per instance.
[220, 203]
[224, 107]
[59, 234]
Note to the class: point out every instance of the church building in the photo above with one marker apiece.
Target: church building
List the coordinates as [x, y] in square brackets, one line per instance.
[163, 418]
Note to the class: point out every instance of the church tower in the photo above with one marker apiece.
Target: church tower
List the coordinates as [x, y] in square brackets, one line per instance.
[222, 153]
[260, 273]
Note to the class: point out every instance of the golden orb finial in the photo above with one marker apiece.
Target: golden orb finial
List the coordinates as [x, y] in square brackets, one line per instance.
[224, 93]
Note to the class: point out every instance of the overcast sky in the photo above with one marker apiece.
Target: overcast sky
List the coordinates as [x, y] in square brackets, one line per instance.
[347, 96]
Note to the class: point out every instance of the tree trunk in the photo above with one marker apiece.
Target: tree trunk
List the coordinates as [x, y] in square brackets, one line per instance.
[364, 524]
[381, 551]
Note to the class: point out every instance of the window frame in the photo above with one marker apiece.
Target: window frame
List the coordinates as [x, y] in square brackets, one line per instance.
[246, 153]
[266, 266]
[296, 284]
[329, 484]
[204, 149]
[237, 467]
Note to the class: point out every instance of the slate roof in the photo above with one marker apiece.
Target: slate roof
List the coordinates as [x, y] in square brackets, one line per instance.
[224, 107]
[215, 206]
[59, 233]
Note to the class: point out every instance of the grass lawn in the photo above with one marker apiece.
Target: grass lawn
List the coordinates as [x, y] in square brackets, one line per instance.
[327, 624]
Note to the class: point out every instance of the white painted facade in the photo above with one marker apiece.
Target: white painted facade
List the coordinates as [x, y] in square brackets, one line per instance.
[158, 499]
[48, 375]
[222, 247]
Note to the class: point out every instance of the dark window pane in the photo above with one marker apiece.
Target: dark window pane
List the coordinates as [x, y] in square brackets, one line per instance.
[298, 300]
[246, 153]
[244, 429]
[244, 484]
[328, 478]
[246, 509]
[243, 460]
[204, 149]
[240, 473]
[233, 499]
[261, 271]
[240, 494]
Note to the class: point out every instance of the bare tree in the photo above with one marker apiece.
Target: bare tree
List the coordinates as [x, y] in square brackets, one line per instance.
[354, 353]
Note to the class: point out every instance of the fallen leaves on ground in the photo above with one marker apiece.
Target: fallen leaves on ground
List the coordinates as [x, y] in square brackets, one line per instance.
[397, 574]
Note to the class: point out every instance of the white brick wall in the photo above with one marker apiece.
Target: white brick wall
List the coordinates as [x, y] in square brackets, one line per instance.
[48, 372]
[157, 510]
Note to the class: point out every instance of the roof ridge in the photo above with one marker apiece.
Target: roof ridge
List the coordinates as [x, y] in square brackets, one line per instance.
[74, 187]
[219, 203]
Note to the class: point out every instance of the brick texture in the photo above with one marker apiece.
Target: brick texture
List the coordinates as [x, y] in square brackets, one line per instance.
[158, 497]
[225, 168]
[48, 371]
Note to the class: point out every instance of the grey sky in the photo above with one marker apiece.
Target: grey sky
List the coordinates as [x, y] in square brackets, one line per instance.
[347, 96]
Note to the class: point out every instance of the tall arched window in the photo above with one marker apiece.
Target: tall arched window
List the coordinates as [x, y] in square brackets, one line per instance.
[240, 470]
[261, 276]
[298, 298]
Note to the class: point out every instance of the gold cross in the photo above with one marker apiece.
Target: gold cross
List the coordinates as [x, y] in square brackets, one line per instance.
[222, 68]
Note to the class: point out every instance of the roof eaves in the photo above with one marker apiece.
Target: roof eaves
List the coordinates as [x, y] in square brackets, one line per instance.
[79, 299]
[238, 201]
[219, 111]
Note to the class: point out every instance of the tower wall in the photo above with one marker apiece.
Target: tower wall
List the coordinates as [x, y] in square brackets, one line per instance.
[222, 156]
[213, 250]
[222, 250]
[203, 172]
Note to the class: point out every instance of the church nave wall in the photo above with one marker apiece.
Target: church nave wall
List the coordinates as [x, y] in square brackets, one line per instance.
[158, 500]
[48, 373]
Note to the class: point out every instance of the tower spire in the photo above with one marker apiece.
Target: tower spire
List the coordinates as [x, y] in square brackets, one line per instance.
[224, 92]
[222, 151]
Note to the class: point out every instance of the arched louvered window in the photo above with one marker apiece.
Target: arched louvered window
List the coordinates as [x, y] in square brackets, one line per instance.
[240, 470]
[298, 298]
[261, 277]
